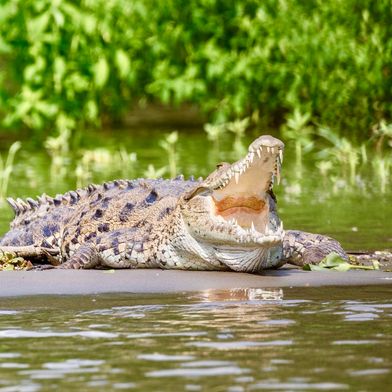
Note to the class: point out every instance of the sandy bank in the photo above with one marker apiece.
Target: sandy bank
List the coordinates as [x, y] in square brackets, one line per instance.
[79, 282]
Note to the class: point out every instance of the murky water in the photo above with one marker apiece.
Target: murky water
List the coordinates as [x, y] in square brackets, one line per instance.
[243, 340]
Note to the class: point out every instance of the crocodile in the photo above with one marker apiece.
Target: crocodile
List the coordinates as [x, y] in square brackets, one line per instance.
[227, 221]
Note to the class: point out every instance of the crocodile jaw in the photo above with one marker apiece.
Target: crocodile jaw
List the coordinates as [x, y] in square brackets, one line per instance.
[233, 208]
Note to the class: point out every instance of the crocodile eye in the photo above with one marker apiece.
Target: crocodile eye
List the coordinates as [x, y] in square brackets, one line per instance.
[221, 164]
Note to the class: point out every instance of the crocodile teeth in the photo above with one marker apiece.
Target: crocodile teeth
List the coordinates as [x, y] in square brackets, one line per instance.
[281, 156]
[252, 226]
[259, 152]
[277, 174]
[237, 177]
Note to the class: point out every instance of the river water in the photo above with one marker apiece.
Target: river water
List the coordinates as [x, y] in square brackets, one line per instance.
[241, 340]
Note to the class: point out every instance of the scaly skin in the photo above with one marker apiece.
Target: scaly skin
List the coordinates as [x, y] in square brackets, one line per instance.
[226, 222]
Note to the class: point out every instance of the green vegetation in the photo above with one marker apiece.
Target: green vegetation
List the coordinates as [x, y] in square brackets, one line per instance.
[333, 262]
[10, 262]
[71, 64]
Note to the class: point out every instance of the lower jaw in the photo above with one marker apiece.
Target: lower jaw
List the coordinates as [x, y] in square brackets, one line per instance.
[258, 259]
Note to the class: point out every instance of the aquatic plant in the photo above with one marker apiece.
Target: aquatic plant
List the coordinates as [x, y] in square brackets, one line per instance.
[342, 152]
[127, 162]
[215, 132]
[324, 168]
[168, 143]
[153, 172]
[103, 160]
[382, 168]
[298, 131]
[333, 262]
[238, 127]
[6, 168]
[58, 148]
[382, 133]
[82, 175]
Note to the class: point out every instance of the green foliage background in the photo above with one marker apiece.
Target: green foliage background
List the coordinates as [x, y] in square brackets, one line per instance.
[65, 64]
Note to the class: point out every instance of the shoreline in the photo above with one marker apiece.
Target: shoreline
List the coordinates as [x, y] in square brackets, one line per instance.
[139, 281]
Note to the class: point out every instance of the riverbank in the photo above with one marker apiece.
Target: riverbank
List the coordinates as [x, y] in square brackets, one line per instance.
[84, 282]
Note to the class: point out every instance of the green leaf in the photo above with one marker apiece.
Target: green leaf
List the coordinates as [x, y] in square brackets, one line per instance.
[376, 264]
[36, 26]
[342, 267]
[8, 267]
[334, 262]
[101, 72]
[123, 63]
[314, 267]
[91, 110]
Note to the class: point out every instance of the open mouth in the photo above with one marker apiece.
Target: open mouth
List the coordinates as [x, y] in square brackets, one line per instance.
[240, 195]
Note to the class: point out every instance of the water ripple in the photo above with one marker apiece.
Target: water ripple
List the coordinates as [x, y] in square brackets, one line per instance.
[354, 342]
[369, 372]
[240, 344]
[277, 322]
[19, 333]
[198, 372]
[8, 312]
[165, 357]
[133, 312]
[56, 370]
[278, 386]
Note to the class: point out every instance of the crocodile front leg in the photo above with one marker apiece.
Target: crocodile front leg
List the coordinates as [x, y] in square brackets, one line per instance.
[300, 248]
[121, 248]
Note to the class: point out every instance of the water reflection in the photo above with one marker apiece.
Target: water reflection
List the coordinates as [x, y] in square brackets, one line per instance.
[251, 294]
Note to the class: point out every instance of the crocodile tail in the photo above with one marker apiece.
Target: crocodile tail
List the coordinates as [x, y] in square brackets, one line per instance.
[29, 209]
[21, 206]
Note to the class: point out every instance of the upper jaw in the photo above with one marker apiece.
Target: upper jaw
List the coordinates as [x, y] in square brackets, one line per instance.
[255, 172]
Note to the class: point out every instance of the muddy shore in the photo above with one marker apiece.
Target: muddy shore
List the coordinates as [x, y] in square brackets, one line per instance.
[83, 282]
